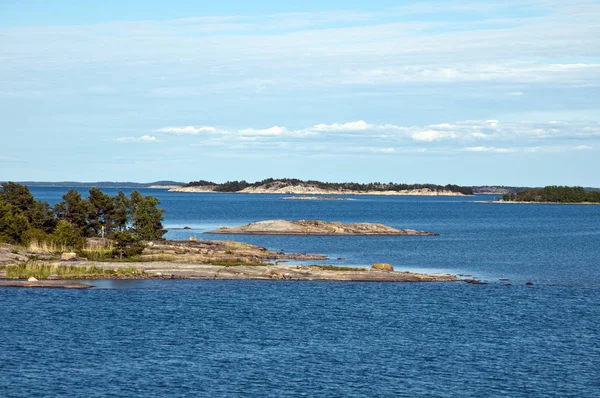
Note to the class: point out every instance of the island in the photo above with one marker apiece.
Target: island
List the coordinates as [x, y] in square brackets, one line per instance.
[207, 260]
[296, 186]
[315, 227]
[100, 236]
[554, 195]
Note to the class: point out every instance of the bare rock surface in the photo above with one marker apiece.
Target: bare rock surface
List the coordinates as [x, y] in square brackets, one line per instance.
[44, 284]
[218, 251]
[11, 255]
[313, 227]
[187, 270]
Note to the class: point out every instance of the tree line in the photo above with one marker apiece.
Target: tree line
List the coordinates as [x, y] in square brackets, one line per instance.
[554, 194]
[236, 186]
[126, 219]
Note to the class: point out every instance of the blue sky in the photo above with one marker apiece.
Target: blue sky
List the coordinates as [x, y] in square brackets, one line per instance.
[467, 92]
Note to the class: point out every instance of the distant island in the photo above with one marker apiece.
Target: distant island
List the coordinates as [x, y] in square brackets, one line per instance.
[296, 186]
[554, 194]
[103, 184]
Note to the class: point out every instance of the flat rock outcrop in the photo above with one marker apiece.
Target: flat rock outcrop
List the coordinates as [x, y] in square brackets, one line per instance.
[314, 227]
[187, 270]
[44, 284]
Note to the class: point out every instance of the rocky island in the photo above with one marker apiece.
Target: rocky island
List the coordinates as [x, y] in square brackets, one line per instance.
[315, 227]
[121, 237]
[293, 186]
[553, 195]
[215, 260]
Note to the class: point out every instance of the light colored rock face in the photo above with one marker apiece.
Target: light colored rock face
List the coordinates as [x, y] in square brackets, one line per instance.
[308, 227]
[164, 186]
[279, 187]
[307, 189]
[11, 256]
[208, 188]
[32, 279]
[280, 272]
[68, 256]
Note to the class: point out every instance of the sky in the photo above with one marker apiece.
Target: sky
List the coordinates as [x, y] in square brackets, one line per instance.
[498, 92]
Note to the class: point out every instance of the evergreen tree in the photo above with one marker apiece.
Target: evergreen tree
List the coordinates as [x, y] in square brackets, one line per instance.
[101, 212]
[74, 210]
[146, 216]
[122, 206]
[13, 223]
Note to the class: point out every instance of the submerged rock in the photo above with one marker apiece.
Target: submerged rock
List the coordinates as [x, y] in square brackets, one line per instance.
[475, 282]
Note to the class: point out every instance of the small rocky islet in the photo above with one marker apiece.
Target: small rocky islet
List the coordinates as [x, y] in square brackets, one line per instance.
[316, 227]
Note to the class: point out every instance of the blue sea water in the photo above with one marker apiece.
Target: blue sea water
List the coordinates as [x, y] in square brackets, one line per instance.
[260, 338]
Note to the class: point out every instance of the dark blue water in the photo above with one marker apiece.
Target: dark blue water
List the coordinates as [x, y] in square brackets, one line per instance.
[258, 338]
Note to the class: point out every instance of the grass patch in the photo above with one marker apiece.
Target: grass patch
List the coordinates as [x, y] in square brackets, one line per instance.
[97, 252]
[42, 271]
[337, 268]
[47, 247]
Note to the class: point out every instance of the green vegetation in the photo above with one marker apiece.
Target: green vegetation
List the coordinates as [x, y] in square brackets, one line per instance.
[126, 221]
[41, 271]
[201, 183]
[233, 186]
[236, 186]
[337, 268]
[554, 194]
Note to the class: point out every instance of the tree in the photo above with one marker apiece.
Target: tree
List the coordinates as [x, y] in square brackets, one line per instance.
[122, 206]
[66, 234]
[101, 212]
[74, 210]
[17, 195]
[13, 223]
[146, 217]
[127, 244]
[41, 217]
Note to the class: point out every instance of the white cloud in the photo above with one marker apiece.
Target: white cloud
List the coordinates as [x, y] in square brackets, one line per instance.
[389, 135]
[186, 130]
[489, 149]
[367, 149]
[564, 148]
[143, 138]
[432, 135]
[272, 131]
[359, 125]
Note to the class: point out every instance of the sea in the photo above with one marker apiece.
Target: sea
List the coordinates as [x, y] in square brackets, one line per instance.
[186, 338]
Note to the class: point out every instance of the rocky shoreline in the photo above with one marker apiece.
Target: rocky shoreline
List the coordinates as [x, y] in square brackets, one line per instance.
[301, 190]
[313, 198]
[516, 202]
[55, 284]
[159, 270]
[315, 227]
[206, 260]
